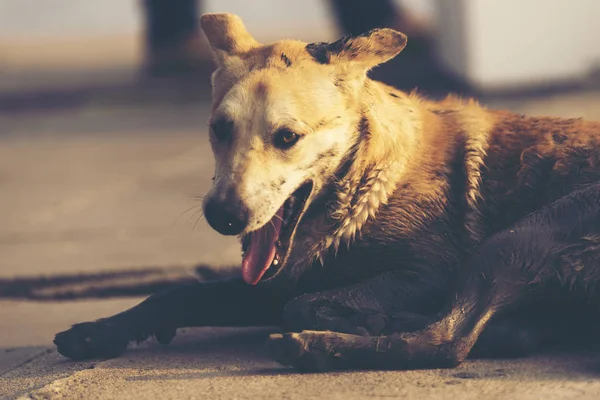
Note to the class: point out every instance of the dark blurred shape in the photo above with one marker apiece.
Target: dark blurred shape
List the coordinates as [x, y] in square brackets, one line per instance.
[358, 16]
[171, 35]
[170, 22]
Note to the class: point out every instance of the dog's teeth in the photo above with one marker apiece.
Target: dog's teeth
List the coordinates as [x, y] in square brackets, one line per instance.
[275, 262]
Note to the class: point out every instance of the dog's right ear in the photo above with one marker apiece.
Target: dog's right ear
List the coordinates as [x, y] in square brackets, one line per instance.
[364, 51]
[226, 35]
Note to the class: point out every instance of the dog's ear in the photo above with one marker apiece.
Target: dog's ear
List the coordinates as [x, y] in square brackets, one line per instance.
[226, 35]
[364, 51]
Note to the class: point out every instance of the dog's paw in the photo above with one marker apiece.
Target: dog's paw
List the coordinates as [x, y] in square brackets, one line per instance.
[100, 339]
[105, 338]
[307, 351]
[165, 335]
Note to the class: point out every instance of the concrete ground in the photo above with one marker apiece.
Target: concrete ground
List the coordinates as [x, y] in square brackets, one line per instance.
[103, 187]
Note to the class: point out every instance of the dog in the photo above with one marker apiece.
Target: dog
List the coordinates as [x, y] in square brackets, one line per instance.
[380, 229]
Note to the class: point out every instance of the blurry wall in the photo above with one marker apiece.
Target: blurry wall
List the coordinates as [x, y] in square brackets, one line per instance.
[48, 33]
[62, 42]
[514, 43]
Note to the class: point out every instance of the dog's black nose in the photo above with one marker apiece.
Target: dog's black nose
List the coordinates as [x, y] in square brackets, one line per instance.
[225, 218]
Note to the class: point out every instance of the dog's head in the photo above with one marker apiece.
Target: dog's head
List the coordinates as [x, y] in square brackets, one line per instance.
[283, 117]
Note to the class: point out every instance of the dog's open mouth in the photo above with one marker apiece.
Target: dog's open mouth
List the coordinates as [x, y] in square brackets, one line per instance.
[266, 249]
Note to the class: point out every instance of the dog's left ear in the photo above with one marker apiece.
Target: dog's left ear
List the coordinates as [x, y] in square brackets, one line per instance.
[367, 50]
[226, 35]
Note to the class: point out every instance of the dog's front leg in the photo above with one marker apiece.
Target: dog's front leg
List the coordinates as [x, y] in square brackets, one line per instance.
[219, 303]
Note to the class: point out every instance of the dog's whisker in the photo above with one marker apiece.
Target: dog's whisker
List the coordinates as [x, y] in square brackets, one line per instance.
[186, 211]
[197, 196]
[200, 217]
[200, 211]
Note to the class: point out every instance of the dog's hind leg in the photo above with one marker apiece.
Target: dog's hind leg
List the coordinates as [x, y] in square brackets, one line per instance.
[391, 303]
[219, 303]
[443, 343]
[376, 306]
[559, 245]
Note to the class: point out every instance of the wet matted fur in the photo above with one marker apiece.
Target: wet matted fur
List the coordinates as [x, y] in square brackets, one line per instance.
[420, 232]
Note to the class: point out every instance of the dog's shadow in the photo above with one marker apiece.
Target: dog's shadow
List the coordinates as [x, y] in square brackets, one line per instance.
[229, 352]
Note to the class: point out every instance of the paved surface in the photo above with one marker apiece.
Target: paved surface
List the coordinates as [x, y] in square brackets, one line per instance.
[100, 188]
[219, 364]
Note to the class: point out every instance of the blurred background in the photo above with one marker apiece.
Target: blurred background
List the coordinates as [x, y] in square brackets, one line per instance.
[104, 154]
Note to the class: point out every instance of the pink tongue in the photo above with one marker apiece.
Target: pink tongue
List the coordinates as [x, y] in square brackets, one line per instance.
[261, 251]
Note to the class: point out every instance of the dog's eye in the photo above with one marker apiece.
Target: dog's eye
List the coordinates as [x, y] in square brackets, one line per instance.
[284, 138]
[222, 129]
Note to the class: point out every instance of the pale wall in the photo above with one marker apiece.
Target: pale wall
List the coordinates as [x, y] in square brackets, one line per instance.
[519, 42]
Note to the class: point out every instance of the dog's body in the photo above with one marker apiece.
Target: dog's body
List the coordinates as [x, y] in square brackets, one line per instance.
[407, 226]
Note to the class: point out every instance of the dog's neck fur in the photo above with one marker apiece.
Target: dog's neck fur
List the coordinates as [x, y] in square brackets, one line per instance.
[372, 169]
[401, 166]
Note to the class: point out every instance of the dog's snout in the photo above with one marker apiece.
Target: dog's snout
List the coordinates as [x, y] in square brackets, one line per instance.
[225, 218]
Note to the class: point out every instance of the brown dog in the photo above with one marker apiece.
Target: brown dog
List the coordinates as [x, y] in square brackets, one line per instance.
[381, 230]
